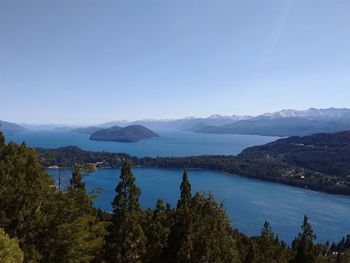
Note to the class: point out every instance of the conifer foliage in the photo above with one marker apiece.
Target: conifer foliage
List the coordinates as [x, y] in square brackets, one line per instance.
[126, 237]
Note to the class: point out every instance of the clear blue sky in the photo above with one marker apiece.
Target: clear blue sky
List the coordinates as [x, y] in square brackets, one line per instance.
[84, 61]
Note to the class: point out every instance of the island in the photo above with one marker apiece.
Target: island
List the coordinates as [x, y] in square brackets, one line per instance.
[132, 133]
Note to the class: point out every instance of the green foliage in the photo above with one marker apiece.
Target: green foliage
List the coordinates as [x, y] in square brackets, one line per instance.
[185, 192]
[202, 231]
[9, 249]
[157, 224]
[34, 211]
[76, 182]
[303, 246]
[266, 248]
[78, 241]
[126, 242]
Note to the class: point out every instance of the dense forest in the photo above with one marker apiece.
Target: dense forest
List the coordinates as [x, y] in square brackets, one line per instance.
[41, 223]
[320, 162]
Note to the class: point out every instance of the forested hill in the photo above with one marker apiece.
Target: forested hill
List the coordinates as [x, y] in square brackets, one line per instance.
[327, 153]
[132, 133]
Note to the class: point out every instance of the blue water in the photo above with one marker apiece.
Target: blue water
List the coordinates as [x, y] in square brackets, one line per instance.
[248, 202]
[170, 143]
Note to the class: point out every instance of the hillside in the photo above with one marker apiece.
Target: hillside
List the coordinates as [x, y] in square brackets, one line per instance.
[132, 133]
[327, 153]
[10, 128]
[286, 126]
[87, 130]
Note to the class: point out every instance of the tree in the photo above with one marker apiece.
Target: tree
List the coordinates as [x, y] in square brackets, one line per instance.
[266, 248]
[157, 224]
[76, 182]
[126, 241]
[9, 249]
[79, 241]
[202, 231]
[78, 193]
[303, 246]
[185, 191]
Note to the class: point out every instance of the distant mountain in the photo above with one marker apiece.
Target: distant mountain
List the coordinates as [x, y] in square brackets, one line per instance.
[63, 129]
[287, 123]
[87, 130]
[132, 133]
[10, 128]
[188, 123]
[310, 114]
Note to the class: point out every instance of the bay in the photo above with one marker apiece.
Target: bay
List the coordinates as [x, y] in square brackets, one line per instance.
[170, 143]
[248, 202]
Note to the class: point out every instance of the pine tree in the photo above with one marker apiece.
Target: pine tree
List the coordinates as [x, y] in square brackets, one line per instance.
[9, 249]
[303, 245]
[126, 242]
[78, 193]
[266, 248]
[202, 231]
[157, 224]
[76, 182]
[185, 191]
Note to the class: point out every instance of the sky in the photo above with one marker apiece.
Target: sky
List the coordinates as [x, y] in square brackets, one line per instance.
[91, 61]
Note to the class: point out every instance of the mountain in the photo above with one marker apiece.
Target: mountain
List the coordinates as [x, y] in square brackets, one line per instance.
[10, 128]
[132, 133]
[188, 123]
[87, 130]
[310, 114]
[287, 123]
[62, 129]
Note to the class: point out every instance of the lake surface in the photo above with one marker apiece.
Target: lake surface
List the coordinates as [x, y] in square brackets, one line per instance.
[170, 143]
[248, 202]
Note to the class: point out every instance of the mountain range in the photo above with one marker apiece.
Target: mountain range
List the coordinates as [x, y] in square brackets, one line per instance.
[282, 123]
[286, 123]
[10, 128]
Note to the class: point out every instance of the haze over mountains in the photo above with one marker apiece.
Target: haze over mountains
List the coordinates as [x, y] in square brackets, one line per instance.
[282, 123]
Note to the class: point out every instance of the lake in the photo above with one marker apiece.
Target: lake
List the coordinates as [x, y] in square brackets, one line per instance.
[170, 143]
[248, 202]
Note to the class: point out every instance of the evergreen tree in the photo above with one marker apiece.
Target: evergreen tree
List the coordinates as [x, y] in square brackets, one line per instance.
[185, 191]
[303, 246]
[76, 182]
[9, 249]
[266, 248]
[202, 231]
[78, 193]
[79, 241]
[34, 211]
[157, 224]
[126, 242]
